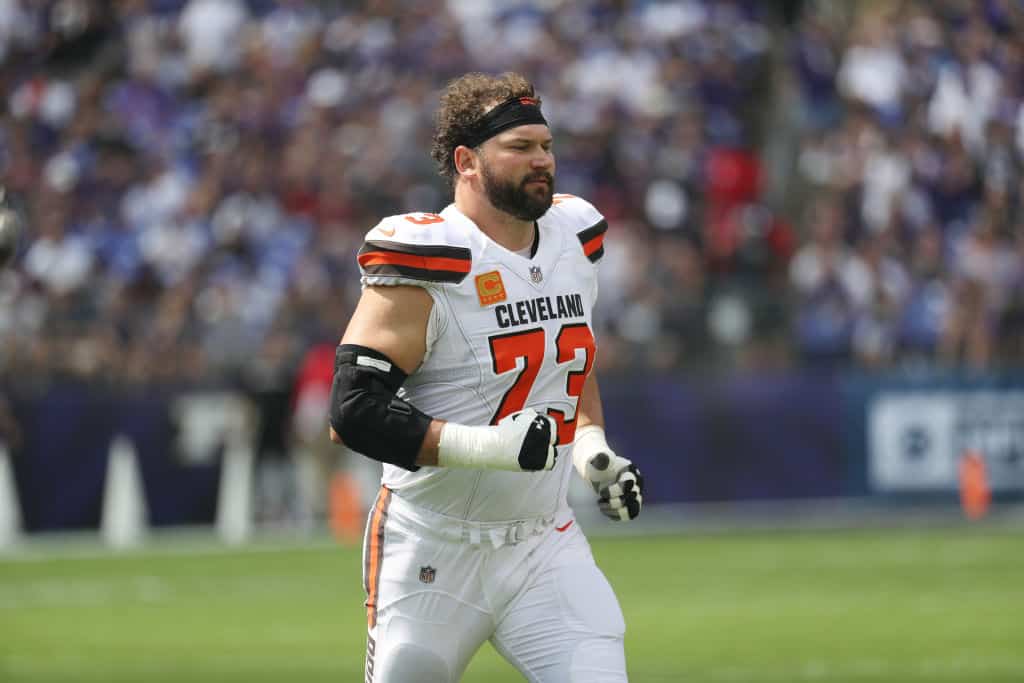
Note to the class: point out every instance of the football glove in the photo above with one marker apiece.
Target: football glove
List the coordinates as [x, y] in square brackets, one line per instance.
[522, 441]
[617, 481]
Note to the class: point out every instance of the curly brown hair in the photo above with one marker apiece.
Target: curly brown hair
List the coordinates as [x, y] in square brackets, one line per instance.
[464, 102]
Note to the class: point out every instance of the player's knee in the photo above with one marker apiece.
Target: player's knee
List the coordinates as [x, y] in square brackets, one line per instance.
[412, 663]
[598, 660]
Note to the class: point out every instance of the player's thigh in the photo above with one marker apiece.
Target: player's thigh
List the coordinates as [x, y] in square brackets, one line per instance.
[425, 638]
[425, 616]
[566, 626]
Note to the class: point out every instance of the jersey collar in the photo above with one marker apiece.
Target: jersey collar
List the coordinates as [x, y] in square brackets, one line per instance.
[535, 270]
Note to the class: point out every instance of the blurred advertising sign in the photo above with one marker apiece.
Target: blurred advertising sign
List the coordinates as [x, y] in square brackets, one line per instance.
[207, 423]
[915, 439]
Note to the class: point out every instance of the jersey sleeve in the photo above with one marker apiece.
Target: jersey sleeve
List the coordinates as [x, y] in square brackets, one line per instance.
[405, 250]
[590, 225]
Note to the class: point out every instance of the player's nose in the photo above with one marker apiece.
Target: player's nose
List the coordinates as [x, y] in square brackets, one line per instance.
[542, 159]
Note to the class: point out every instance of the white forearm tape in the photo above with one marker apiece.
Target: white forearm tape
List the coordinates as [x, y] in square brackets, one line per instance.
[589, 442]
[473, 447]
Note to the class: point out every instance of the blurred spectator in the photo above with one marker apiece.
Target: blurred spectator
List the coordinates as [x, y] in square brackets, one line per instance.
[1010, 333]
[61, 262]
[829, 280]
[882, 285]
[985, 267]
[815, 58]
[10, 430]
[923, 318]
[873, 70]
[212, 32]
[310, 398]
[967, 88]
[267, 381]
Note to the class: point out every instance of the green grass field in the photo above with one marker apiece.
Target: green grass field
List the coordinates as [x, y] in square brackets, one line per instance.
[781, 607]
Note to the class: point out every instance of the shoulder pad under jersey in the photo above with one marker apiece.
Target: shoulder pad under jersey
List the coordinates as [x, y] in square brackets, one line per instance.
[580, 216]
[414, 248]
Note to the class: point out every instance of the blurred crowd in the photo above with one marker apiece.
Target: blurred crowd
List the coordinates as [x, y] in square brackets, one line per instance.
[912, 141]
[198, 174]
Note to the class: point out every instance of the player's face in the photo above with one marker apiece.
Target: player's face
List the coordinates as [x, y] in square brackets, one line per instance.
[518, 171]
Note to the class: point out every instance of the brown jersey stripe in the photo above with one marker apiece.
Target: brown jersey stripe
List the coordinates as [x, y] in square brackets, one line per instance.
[373, 549]
[431, 263]
[425, 250]
[592, 240]
[414, 273]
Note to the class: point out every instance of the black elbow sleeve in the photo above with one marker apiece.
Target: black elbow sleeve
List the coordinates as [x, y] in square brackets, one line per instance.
[366, 412]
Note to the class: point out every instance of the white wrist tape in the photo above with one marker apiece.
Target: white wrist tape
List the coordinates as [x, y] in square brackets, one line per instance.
[473, 447]
[589, 441]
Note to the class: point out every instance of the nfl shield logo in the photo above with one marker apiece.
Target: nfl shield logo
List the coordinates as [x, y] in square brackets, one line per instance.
[535, 274]
[427, 574]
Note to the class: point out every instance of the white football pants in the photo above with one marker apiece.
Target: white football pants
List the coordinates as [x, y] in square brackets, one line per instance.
[438, 587]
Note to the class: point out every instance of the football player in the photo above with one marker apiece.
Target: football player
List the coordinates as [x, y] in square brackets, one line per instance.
[466, 370]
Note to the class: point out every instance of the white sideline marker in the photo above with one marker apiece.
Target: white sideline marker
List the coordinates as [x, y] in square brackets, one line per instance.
[234, 496]
[10, 512]
[124, 520]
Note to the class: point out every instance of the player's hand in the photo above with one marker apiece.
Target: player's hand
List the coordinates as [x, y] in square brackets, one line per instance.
[529, 438]
[617, 481]
[623, 497]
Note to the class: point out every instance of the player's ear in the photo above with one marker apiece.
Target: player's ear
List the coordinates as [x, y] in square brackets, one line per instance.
[467, 162]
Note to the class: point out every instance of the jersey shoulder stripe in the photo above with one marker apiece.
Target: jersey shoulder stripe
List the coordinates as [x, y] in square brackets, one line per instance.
[583, 218]
[582, 212]
[592, 240]
[417, 249]
[425, 262]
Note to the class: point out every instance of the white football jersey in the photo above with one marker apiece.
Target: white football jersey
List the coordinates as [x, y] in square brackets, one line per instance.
[506, 332]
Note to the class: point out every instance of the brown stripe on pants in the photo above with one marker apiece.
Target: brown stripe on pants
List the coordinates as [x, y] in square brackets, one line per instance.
[373, 553]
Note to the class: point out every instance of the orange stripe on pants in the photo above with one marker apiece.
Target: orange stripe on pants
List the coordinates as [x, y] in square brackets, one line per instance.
[374, 553]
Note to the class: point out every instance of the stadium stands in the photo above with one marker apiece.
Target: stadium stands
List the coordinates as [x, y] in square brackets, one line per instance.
[196, 173]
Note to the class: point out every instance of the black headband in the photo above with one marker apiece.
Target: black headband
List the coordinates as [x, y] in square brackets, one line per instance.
[518, 111]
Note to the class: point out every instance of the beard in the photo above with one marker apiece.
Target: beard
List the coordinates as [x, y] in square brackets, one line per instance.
[517, 199]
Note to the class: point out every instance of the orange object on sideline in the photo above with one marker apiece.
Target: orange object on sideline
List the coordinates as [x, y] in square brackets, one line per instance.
[345, 510]
[975, 494]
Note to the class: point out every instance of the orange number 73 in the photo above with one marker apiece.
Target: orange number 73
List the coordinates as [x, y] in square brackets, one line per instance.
[529, 345]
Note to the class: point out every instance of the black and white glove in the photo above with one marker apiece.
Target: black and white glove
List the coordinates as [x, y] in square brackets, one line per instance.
[522, 441]
[617, 481]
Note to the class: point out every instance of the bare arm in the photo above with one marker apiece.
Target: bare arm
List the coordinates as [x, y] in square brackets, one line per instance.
[589, 408]
[393, 321]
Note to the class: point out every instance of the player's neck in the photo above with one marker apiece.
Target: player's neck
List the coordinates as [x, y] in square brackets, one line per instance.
[510, 232]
